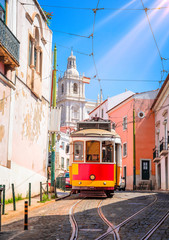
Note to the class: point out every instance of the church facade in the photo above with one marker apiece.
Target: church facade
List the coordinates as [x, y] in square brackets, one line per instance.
[71, 95]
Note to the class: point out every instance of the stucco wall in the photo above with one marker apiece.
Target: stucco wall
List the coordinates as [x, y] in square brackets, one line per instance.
[30, 129]
[20, 177]
[117, 115]
[4, 122]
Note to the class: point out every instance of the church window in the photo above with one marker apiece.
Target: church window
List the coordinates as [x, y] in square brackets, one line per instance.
[62, 88]
[75, 88]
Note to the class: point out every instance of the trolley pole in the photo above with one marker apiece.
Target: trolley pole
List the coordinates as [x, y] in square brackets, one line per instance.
[134, 151]
[53, 106]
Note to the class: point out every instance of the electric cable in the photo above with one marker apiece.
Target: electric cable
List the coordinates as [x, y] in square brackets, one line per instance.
[145, 9]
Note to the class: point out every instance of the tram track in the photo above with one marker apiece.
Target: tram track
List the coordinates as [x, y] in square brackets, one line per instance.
[155, 227]
[115, 229]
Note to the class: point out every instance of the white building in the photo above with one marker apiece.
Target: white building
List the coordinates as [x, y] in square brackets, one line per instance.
[71, 95]
[62, 153]
[25, 80]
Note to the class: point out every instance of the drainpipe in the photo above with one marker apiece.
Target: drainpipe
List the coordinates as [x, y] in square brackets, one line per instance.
[134, 151]
[53, 134]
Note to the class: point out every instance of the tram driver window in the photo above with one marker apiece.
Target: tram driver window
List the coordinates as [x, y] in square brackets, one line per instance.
[92, 151]
[107, 152]
[78, 151]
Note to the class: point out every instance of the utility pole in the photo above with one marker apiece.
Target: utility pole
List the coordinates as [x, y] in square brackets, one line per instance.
[53, 106]
[134, 151]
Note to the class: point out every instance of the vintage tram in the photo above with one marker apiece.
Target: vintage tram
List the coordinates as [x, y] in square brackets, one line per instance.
[95, 158]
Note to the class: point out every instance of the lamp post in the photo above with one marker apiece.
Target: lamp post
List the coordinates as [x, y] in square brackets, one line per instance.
[53, 106]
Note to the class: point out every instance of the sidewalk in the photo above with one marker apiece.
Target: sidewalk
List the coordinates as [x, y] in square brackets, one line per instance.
[11, 215]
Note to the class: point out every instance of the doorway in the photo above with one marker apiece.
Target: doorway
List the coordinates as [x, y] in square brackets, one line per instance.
[159, 175]
[166, 172]
[145, 169]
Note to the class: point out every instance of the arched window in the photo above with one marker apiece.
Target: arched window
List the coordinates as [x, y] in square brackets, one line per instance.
[62, 88]
[75, 88]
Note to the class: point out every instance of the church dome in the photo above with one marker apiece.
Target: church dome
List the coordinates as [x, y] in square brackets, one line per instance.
[71, 70]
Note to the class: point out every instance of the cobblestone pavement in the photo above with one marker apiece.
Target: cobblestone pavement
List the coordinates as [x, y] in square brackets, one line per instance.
[52, 220]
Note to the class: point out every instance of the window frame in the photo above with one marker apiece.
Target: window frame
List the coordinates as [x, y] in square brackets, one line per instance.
[74, 151]
[124, 123]
[75, 88]
[93, 154]
[125, 144]
[62, 158]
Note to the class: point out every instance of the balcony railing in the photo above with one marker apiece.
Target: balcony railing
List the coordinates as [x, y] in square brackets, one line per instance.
[9, 41]
[156, 153]
[163, 146]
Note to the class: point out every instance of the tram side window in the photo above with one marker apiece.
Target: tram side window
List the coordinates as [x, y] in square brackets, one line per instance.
[78, 151]
[92, 151]
[107, 152]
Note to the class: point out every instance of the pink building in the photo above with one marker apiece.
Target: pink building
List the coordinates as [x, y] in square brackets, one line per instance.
[161, 153]
[135, 124]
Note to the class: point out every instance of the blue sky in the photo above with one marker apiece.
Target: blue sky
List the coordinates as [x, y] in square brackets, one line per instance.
[124, 48]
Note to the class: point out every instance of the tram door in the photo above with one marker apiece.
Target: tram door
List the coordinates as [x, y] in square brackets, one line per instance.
[125, 174]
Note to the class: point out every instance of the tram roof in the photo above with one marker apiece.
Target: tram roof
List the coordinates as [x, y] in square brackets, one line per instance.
[95, 133]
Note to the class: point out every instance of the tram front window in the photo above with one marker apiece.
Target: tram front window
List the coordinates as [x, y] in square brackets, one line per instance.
[92, 151]
[78, 151]
[107, 152]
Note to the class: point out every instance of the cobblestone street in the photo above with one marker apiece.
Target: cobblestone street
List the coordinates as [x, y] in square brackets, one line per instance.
[52, 220]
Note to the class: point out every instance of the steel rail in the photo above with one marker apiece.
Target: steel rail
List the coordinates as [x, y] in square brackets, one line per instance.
[115, 229]
[155, 227]
[109, 224]
[73, 221]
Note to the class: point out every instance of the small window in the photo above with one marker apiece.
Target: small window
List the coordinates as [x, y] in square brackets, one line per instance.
[75, 88]
[62, 162]
[67, 148]
[92, 151]
[102, 113]
[67, 164]
[78, 151]
[113, 125]
[63, 145]
[124, 123]
[62, 88]
[30, 52]
[124, 149]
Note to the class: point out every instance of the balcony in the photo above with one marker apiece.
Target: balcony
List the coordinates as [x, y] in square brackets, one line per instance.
[156, 156]
[9, 47]
[163, 147]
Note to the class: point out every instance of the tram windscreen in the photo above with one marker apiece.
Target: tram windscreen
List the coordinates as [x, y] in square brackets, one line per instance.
[107, 152]
[78, 151]
[92, 151]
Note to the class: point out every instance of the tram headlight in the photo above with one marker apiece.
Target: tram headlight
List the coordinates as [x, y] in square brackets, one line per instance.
[104, 183]
[92, 177]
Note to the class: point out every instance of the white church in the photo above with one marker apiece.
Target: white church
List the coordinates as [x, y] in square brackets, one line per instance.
[71, 95]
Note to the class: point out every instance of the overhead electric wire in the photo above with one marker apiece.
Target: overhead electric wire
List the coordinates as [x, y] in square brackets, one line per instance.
[145, 9]
[91, 9]
[97, 75]
[127, 80]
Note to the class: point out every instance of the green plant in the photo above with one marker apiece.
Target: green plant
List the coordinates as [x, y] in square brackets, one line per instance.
[45, 198]
[19, 197]
[48, 16]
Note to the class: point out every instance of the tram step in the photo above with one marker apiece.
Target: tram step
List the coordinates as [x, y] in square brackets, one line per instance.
[93, 193]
